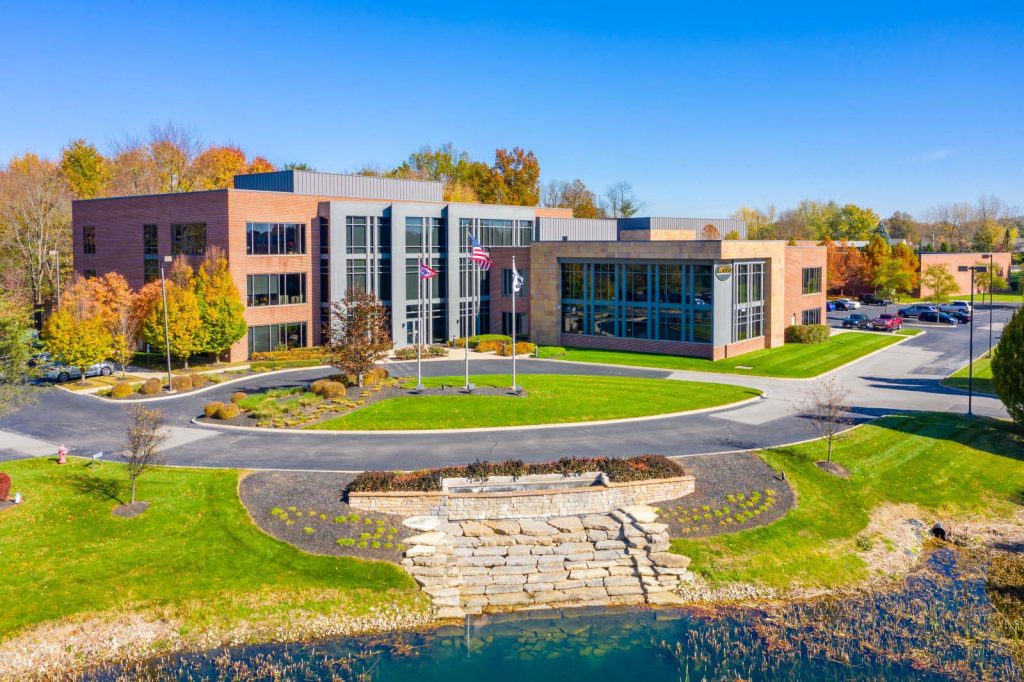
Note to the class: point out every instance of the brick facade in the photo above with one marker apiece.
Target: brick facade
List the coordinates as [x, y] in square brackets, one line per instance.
[952, 261]
[500, 303]
[798, 258]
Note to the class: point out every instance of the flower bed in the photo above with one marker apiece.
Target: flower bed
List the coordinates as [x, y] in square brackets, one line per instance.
[618, 470]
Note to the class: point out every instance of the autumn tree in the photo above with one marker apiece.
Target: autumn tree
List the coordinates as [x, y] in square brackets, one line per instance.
[994, 277]
[220, 304]
[119, 310]
[358, 334]
[575, 195]
[217, 166]
[186, 335]
[76, 341]
[875, 253]
[845, 265]
[85, 169]
[760, 224]
[260, 164]
[173, 150]
[622, 202]
[35, 219]
[940, 281]
[893, 279]
[515, 177]
[15, 350]
[144, 435]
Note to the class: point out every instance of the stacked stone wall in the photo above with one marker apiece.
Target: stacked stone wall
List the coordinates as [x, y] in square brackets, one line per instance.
[524, 504]
[620, 557]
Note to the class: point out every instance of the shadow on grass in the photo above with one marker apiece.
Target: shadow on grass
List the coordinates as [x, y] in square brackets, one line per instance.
[994, 436]
[102, 488]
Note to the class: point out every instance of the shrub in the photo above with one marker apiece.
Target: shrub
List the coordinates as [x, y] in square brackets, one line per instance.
[375, 376]
[326, 388]
[409, 352]
[151, 386]
[314, 353]
[474, 341]
[807, 333]
[639, 468]
[489, 346]
[238, 396]
[200, 380]
[522, 347]
[211, 409]
[181, 383]
[122, 389]
[5, 486]
[229, 411]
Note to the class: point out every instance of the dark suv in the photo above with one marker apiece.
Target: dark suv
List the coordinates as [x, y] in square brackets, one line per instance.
[871, 299]
[856, 321]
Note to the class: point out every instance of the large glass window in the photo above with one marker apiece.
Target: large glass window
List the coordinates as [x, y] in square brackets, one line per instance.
[670, 283]
[811, 280]
[150, 240]
[355, 234]
[89, 239]
[188, 239]
[636, 283]
[278, 289]
[572, 280]
[275, 239]
[604, 281]
[150, 270]
[522, 325]
[270, 337]
[812, 316]
[748, 308]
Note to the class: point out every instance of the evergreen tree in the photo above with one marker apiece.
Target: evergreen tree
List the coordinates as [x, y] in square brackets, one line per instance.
[1008, 367]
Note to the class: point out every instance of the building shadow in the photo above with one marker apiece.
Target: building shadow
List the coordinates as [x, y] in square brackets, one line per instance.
[911, 384]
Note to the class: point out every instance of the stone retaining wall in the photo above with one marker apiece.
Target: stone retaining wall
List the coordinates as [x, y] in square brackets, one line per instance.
[596, 559]
[524, 504]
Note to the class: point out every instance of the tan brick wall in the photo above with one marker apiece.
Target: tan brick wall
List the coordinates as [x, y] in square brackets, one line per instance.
[798, 258]
[953, 261]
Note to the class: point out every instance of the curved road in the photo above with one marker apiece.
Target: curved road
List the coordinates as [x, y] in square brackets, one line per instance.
[903, 377]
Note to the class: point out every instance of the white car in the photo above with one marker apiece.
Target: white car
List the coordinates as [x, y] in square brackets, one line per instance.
[847, 304]
[61, 373]
[956, 307]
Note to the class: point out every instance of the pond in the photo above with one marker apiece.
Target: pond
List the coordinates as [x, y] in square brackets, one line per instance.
[940, 625]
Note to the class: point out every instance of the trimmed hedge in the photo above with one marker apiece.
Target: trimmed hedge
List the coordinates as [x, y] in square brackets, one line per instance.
[639, 468]
[121, 390]
[474, 341]
[328, 389]
[229, 411]
[182, 383]
[211, 409]
[151, 386]
[199, 380]
[522, 348]
[409, 352]
[807, 333]
[314, 353]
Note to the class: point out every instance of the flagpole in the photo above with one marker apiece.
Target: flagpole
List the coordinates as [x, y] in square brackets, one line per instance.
[419, 328]
[514, 294]
[465, 312]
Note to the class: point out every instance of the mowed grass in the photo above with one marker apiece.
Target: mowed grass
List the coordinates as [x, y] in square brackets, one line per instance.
[946, 464]
[550, 399]
[194, 554]
[982, 377]
[793, 360]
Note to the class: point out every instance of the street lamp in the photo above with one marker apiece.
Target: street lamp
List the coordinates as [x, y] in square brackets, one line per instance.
[167, 332]
[970, 360]
[991, 267]
[56, 256]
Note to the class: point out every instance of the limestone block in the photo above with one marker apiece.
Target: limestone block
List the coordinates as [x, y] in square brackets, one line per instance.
[658, 547]
[570, 565]
[434, 538]
[466, 541]
[550, 559]
[479, 561]
[473, 610]
[509, 579]
[668, 559]
[519, 550]
[423, 523]
[496, 550]
[638, 541]
[522, 560]
[530, 527]
[508, 598]
[569, 584]
[569, 524]
[475, 529]
[463, 551]
[532, 588]
[610, 544]
[435, 560]
[434, 571]
[578, 536]
[641, 513]
[580, 556]
[447, 601]
[513, 570]
[593, 535]
[451, 612]
[586, 573]
[653, 528]
[428, 580]
[600, 522]
[472, 589]
[547, 577]
[623, 590]
[601, 564]
[539, 549]
[665, 598]
[669, 570]
[502, 589]
[441, 591]
[420, 550]
[620, 580]
[549, 596]
[574, 547]
[586, 594]
[503, 527]
[608, 555]
[621, 570]
[496, 541]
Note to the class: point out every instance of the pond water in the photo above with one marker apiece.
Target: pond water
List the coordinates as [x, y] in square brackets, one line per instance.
[940, 625]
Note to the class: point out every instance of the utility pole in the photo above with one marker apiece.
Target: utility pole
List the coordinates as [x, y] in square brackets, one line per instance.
[515, 292]
[167, 331]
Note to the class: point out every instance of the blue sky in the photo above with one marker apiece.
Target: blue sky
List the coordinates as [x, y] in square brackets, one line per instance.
[703, 107]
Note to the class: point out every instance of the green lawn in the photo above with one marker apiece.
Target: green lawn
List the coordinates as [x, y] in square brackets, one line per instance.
[795, 360]
[550, 399]
[951, 465]
[982, 377]
[194, 555]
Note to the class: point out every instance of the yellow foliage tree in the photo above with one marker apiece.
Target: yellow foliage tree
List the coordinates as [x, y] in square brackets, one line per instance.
[185, 326]
[217, 167]
[76, 342]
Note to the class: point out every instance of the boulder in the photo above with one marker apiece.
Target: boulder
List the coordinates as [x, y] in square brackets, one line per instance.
[423, 523]
[568, 524]
[641, 513]
[475, 529]
[503, 527]
[529, 527]
[600, 522]
[434, 538]
[669, 560]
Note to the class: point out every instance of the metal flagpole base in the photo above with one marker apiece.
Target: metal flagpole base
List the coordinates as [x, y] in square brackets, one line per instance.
[516, 390]
[419, 388]
[469, 388]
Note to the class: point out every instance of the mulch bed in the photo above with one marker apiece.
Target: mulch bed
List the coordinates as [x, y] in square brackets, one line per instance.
[733, 492]
[128, 511]
[355, 393]
[288, 505]
[7, 504]
[833, 468]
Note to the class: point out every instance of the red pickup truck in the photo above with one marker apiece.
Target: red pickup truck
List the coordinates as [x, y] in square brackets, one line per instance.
[888, 323]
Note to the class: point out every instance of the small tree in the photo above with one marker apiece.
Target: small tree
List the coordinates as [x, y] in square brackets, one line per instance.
[220, 304]
[827, 409]
[358, 335]
[1008, 367]
[119, 309]
[940, 281]
[983, 279]
[893, 279]
[143, 438]
[186, 334]
[78, 343]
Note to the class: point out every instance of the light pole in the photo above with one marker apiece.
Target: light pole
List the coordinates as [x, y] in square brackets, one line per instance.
[991, 264]
[970, 359]
[56, 256]
[167, 331]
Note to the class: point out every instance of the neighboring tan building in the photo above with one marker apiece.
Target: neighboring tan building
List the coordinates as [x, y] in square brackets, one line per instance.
[297, 240]
[953, 261]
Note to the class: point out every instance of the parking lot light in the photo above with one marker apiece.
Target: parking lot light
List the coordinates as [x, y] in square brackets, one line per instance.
[970, 353]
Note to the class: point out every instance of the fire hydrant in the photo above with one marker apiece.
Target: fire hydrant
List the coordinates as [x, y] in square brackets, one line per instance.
[62, 455]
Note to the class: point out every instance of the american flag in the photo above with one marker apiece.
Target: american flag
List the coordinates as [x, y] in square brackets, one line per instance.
[479, 254]
[426, 272]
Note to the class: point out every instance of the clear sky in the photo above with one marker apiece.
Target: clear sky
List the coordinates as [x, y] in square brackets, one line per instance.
[703, 107]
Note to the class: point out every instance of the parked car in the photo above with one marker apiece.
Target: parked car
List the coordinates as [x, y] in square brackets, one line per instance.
[887, 323]
[846, 304]
[936, 316]
[871, 299]
[917, 309]
[39, 360]
[962, 318]
[856, 321]
[60, 372]
[956, 307]
[830, 306]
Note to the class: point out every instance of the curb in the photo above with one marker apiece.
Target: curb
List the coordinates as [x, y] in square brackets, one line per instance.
[477, 429]
[191, 393]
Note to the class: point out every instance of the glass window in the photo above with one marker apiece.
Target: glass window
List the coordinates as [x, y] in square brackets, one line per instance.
[278, 289]
[572, 280]
[811, 281]
[355, 229]
[89, 239]
[702, 285]
[604, 281]
[188, 239]
[413, 234]
[702, 326]
[572, 319]
[150, 240]
[325, 235]
[670, 324]
[604, 321]
[812, 316]
[273, 239]
[150, 270]
[272, 337]
[670, 283]
[636, 283]
[636, 323]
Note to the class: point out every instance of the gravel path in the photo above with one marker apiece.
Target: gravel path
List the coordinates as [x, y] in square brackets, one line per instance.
[732, 494]
[288, 505]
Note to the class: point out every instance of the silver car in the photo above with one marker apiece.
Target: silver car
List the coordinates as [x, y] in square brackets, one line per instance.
[61, 372]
